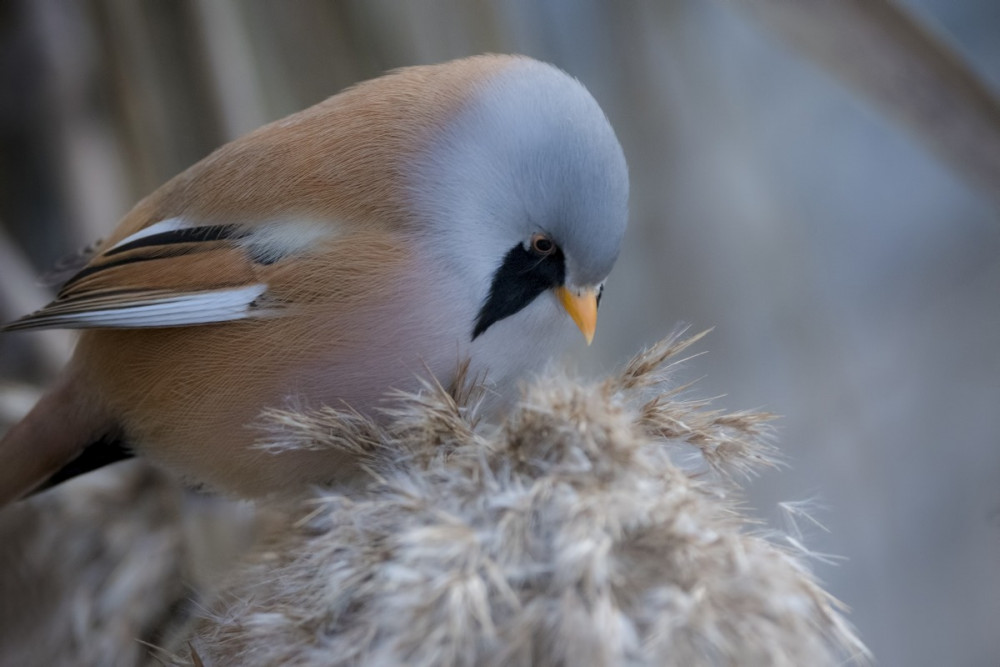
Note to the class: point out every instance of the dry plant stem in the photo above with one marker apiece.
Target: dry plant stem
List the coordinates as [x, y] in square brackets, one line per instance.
[89, 571]
[106, 568]
[880, 49]
[567, 535]
[236, 86]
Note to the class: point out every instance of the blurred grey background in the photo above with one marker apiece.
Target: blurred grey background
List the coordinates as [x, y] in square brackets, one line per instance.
[851, 266]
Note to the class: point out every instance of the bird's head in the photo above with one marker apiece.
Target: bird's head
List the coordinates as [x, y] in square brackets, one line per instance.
[525, 189]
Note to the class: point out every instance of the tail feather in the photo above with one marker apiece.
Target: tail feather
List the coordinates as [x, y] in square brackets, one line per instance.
[105, 451]
[52, 438]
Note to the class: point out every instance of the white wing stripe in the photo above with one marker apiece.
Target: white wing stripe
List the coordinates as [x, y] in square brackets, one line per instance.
[168, 225]
[195, 308]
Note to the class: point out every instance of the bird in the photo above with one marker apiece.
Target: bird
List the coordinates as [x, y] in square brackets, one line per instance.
[466, 212]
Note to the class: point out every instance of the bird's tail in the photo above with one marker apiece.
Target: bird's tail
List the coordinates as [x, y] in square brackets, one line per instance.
[65, 434]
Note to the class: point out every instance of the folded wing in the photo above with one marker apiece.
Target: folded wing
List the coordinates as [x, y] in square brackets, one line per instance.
[176, 273]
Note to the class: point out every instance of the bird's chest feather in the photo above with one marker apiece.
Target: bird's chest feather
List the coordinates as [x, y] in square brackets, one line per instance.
[220, 377]
[424, 330]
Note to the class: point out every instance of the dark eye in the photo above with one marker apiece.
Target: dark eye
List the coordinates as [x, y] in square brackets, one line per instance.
[542, 245]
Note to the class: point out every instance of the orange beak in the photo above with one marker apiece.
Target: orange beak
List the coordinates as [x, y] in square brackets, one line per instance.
[582, 307]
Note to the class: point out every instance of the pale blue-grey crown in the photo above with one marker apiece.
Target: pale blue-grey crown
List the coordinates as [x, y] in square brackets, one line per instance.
[530, 151]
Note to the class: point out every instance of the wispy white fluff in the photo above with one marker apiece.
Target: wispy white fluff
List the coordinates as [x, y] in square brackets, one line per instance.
[271, 241]
[564, 537]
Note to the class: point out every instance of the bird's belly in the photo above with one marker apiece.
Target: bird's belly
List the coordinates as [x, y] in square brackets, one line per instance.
[201, 414]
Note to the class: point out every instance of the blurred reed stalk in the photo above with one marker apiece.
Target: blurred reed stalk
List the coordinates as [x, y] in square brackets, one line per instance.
[882, 51]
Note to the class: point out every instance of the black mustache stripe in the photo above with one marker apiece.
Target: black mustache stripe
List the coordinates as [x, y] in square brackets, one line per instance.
[522, 276]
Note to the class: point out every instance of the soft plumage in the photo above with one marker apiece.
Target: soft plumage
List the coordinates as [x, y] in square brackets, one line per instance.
[465, 210]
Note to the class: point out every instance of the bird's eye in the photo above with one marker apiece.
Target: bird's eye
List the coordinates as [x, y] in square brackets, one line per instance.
[542, 245]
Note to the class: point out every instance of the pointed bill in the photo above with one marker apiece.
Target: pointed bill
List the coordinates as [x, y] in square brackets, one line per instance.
[582, 307]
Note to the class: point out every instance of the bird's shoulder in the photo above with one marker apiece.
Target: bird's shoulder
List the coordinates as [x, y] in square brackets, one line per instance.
[181, 272]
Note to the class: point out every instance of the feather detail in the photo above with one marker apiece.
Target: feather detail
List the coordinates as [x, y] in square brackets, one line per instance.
[148, 309]
[174, 273]
[260, 212]
[68, 266]
[157, 228]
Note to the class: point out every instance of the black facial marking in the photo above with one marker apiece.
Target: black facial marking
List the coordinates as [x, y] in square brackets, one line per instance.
[522, 276]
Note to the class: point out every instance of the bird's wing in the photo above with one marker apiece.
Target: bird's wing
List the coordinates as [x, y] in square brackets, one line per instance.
[66, 267]
[177, 273]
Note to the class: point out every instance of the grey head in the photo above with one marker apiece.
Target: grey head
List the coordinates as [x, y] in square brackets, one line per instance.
[524, 190]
